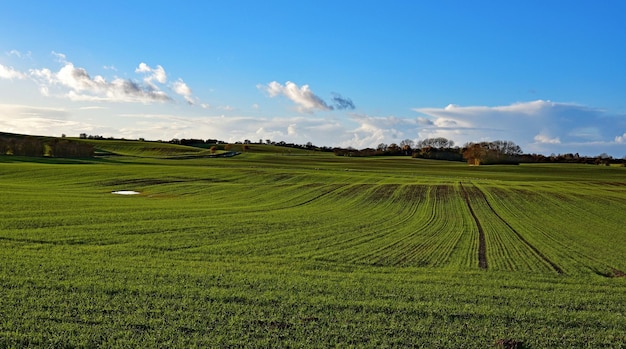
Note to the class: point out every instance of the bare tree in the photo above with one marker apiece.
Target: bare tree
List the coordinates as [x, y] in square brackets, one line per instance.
[438, 142]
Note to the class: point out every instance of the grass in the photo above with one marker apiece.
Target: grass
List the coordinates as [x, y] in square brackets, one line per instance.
[144, 149]
[309, 250]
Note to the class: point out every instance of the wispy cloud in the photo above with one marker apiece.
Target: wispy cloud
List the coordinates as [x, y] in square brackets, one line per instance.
[237, 128]
[92, 108]
[304, 98]
[19, 54]
[35, 120]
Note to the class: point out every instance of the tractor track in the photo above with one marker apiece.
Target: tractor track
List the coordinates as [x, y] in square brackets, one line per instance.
[554, 266]
[482, 246]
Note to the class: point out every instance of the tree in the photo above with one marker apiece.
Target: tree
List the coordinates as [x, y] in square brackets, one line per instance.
[30, 146]
[438, 142]
[407, 143]
[227, 147]
[474, 153]
[4, 146]
[393, 148]
[507, 148]
[213, 149]
[406, 146]
[496, 152]
[382, 147]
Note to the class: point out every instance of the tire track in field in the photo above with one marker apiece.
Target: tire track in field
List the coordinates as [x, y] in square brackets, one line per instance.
[482, 246]
[520, 236]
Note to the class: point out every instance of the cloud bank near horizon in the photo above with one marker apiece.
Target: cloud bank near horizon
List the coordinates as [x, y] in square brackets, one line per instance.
[538, 126]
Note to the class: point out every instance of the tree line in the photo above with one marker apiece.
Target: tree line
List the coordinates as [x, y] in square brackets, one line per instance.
[438, 148]
[39, 147]
[475, 153]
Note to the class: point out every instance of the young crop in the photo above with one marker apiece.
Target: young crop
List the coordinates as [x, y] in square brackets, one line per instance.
[269, 250]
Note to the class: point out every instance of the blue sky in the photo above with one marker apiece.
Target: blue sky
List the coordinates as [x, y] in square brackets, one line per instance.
[548, 75]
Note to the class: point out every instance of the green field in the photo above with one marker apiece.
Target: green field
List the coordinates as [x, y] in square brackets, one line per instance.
[303, 249]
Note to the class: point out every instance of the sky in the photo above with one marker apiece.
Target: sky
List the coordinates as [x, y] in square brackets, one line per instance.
[548, 75]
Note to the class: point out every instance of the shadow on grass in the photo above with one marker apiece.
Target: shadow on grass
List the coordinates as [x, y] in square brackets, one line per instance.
[50, 160]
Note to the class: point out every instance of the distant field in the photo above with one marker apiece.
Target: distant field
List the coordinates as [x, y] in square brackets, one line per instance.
[144, 149]
[302, 249]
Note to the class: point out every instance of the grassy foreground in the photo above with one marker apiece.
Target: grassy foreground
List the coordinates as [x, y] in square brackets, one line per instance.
[310, 250]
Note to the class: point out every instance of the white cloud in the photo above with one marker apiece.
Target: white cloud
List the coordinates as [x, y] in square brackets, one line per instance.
[620, 139]
[373, 130]
[182, 89]
[542, 138]
[82, 87]
[157, 74]
[292, 129]
[9, 73]
[76, 84]
[143, 68]
[303, 97]
[424, 121]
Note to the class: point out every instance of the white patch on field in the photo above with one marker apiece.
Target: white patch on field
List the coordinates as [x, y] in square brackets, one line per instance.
[125, 192]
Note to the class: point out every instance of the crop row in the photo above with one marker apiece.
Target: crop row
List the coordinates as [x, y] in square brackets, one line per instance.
[292, 216]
